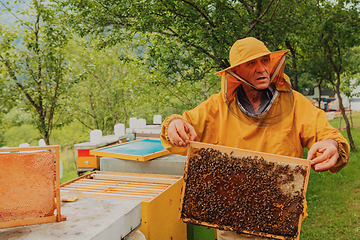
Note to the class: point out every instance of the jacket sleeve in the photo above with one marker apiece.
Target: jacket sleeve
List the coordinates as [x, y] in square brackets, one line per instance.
[201, 118]
[318, 128]
[328, 132]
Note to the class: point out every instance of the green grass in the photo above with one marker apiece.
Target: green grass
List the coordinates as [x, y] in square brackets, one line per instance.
[334, 203]
[355, 120]
[68, 160]
[334, 198]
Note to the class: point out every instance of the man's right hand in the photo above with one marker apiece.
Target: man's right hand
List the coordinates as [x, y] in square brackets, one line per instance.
[178, 131]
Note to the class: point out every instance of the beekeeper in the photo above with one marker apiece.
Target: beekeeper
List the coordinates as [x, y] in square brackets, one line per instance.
[257, 110]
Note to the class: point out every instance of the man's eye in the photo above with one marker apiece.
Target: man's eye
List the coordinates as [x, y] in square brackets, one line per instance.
[250, 63]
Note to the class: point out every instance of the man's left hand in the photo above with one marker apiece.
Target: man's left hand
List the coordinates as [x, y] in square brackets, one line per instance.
[329, 155]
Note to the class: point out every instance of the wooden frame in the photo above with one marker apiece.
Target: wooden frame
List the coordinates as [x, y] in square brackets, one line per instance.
[244, 153]
[56, 217]
[99, 152]
[147, 135]
[155, 191]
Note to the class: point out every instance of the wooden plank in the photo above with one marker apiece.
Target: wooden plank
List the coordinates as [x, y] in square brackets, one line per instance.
[113, 190]
[116, 183]
[147, 135]
[133, 178]
[89, 178]
[121, 187]
[175, 177]
[245, 153]
[57, 185]
[26, 149]
[119, 194]
[70, 196]
[154, 155]
[24, 222]
[114, 196]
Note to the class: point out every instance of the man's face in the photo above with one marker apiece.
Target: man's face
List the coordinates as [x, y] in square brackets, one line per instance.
[256, 72]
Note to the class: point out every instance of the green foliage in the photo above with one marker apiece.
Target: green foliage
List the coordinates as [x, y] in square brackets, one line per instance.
[34, 72]
[109, 88]
[185, 43]
[351, 75]
[18, 128]
[331, 35]
[71, 134]
[26, 133]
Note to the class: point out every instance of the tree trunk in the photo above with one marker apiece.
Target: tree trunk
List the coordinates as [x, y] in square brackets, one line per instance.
[340, 122]
[47, 137]
[67, 158]
[347, 124]
[319, 100]
[294, 63]
[351, 118]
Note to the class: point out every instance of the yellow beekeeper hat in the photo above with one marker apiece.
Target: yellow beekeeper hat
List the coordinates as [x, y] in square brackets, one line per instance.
[248, 49]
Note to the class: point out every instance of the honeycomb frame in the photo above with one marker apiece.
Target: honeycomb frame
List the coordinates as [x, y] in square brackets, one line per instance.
[55, 214]
[262, 208]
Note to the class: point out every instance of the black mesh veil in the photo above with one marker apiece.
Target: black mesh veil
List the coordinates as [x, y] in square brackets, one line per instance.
[280, 106]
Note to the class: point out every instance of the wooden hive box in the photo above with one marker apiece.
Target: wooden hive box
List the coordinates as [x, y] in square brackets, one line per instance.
[247, 192]
[159, 196]
[29, 186]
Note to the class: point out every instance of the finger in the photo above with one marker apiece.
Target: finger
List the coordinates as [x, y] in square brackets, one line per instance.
[174, 138]
[319, 159]
[191, 131]
[312, 151]
[321, 150]
[326, 165]
[327, 153]
[182, 133]
[173, 135]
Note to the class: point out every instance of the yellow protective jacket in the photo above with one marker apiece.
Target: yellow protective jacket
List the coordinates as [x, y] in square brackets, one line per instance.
[305, 125]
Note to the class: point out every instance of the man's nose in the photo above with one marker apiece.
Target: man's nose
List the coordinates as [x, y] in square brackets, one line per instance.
[260, 67]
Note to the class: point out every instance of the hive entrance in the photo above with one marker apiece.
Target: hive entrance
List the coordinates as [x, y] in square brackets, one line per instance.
[245, 194]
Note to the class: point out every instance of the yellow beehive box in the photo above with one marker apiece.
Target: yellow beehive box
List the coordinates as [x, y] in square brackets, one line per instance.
[88, 162]
[159, 194]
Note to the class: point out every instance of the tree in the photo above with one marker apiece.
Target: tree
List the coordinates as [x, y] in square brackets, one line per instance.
[111, 87]
[286, 31]
[187, 41]
[351, 77]
[35, 69]
[333, 33]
